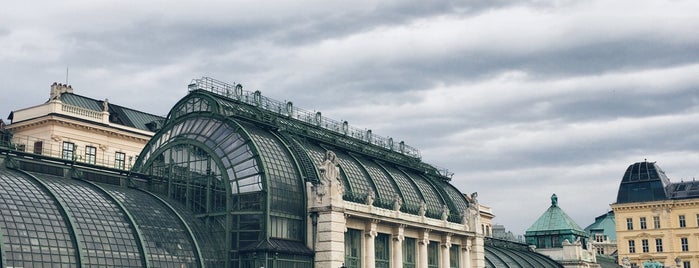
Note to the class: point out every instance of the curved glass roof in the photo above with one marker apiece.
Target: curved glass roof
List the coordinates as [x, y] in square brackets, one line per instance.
[255, 148]
[51, 220]
[239, 164]
[506, 254]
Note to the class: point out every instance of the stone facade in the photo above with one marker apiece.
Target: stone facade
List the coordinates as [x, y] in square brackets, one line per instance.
[664, 243]
[61, 130]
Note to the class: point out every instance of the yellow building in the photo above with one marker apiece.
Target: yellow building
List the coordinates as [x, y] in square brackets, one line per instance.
[73, 127]
[656, 219]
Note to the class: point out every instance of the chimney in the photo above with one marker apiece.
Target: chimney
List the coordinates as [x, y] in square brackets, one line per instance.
[57, 89]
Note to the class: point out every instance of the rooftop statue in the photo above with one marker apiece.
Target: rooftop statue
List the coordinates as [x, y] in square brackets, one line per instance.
[330, 178]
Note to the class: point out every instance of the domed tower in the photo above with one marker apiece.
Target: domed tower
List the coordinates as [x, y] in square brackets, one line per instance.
[556, 235]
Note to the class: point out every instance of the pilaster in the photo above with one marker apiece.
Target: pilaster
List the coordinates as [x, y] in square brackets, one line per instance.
[444, 248]
[478, 252]
[422, 243]
[397, 246]
[370, 234]
[466, 253]
[330, 244]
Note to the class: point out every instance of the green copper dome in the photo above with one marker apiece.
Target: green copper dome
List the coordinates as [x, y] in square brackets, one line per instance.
[553, 227]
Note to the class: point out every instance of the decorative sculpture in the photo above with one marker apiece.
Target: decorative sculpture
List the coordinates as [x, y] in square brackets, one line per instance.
[397, 202]
[330, 183]
[370, 198]
[423, 209]
[445, 212]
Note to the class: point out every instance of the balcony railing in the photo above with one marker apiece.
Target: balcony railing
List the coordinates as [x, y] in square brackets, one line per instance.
[51, 148]
[77, 110]
[288, 110]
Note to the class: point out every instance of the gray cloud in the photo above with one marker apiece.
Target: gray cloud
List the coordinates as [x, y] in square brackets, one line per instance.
[520, 99]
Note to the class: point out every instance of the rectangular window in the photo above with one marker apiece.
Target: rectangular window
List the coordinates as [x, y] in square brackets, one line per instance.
[656, 222]
[685, 244]
[381, 251]
[629, 224]
[90, 154]
[686, 264]
[541, 242]
[659, 244]
[697, 220]
[120, 160]
[643, 223]
[599, 238]
[555, 241]
[353, 248]
[644, 245]
[632, 246]
[409, 252]
[433, 255]
[68, 150]
[634, 265]
[600, 250]
[39, 149]
[683, 223]
[454, 256]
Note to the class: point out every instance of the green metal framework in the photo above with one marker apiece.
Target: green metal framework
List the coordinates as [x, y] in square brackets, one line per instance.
[75, 234]
[197, 248]
[2, 249]
[132, 221]
[254, 155]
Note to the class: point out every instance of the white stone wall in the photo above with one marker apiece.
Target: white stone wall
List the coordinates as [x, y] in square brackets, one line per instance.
[337, 216]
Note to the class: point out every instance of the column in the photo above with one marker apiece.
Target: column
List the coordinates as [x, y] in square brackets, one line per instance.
[397, 246]
[445, 246]
[423, 241]
[466, 253]
[370, 234]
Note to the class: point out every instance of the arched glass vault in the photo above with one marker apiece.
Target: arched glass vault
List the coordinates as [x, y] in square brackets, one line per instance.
[53, 221]
[232, 161]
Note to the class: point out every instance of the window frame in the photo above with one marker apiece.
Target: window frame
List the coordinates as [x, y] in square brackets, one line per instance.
[684, 243]
[120, 163]
[642, 221]
[629, 224]
[632, 246]
[658, 245]
[682, 221]
[656, 222]
[90, 156]
[382, 246]
[68, 150]
[409, 258]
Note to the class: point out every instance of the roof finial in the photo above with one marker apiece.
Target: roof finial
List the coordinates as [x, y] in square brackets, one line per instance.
[554, 200]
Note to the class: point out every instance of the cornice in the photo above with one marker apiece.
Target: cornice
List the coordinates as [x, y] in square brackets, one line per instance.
[690, 202]
[78, 125]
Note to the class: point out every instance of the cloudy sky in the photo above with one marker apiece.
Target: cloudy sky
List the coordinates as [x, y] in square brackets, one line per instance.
[520, 99]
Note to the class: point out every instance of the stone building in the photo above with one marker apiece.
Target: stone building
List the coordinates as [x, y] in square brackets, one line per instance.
[235, 179]
[656, 219]
[603, 234]
[79, 128]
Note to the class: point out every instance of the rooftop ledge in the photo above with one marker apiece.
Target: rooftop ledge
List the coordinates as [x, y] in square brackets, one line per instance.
[288, 110]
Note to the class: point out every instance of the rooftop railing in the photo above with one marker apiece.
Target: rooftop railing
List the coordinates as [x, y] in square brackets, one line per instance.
[56, 149]
[287, 109]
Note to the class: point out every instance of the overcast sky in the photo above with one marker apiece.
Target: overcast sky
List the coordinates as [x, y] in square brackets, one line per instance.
[520, 99]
